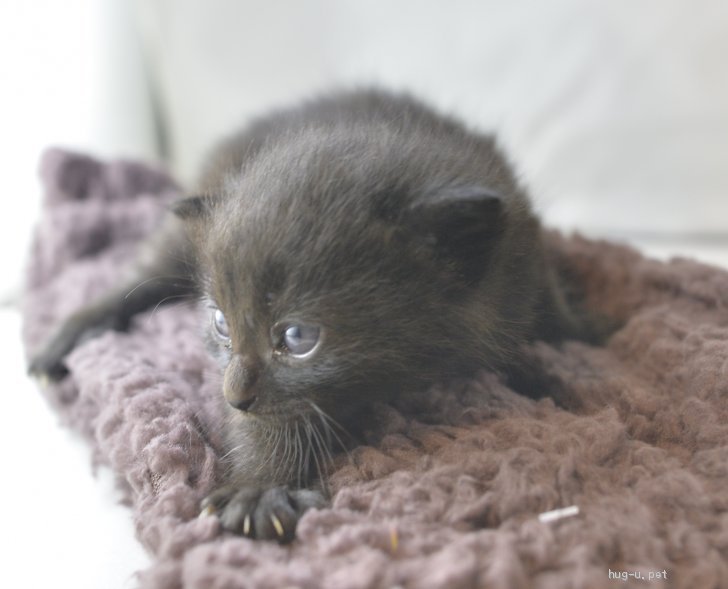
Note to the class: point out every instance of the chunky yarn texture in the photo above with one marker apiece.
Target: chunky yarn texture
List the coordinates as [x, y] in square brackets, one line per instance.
[447, 489]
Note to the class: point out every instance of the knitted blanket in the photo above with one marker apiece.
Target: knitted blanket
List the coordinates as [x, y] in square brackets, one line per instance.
[448, 487]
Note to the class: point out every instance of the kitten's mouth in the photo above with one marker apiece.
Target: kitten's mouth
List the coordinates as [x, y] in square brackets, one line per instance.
[274, 416]
[305, 418]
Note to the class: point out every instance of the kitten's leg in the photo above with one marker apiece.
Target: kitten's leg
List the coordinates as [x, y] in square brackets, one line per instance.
[161, 272]
[267, 486]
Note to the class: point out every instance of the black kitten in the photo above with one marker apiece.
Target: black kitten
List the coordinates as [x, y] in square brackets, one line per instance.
[349, 249]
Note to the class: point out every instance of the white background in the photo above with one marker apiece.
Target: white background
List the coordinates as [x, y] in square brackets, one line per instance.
[615, 113]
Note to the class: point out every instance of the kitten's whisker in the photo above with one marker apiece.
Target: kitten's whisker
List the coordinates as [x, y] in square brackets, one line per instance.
[331, 425]
[299, 453]
[229, 452]
[164, 300]
[326, 416]
[286, 460]
[318, 442]
[325, 444]
[153, 278]
[280, 455]
[309, 448]
[313, 444]
[272, 442]
[323, 471]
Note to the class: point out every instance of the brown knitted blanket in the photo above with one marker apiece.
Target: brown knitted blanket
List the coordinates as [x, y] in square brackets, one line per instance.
[448, 490]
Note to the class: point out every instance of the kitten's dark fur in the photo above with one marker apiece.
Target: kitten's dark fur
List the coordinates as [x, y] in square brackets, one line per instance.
[400, 235]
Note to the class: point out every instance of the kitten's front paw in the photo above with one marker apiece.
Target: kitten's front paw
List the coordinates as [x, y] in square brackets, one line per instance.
[265, 514]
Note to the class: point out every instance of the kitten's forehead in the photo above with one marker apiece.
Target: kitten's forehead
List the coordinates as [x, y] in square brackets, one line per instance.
[316, 213]
[267, 252]
[288, 209]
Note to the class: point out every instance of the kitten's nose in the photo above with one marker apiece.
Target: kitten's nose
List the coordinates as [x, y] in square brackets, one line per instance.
[239, 383]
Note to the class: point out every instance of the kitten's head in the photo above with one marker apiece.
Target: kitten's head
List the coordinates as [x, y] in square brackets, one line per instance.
[334, 280]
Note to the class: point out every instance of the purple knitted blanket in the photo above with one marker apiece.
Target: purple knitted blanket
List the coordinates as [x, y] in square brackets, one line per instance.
[448, 490]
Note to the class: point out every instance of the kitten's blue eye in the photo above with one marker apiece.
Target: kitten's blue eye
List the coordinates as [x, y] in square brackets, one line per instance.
[220, 324]
[300, 340]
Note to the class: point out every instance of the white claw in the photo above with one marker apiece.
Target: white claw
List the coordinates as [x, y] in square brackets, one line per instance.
[207, 511]
[277, 525]
[246, 525]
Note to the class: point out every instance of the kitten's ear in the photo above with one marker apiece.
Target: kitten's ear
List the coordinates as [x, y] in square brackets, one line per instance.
[463, 225]
[193, 207]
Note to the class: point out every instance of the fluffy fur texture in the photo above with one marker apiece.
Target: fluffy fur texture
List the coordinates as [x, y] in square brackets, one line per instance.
[447, 489]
